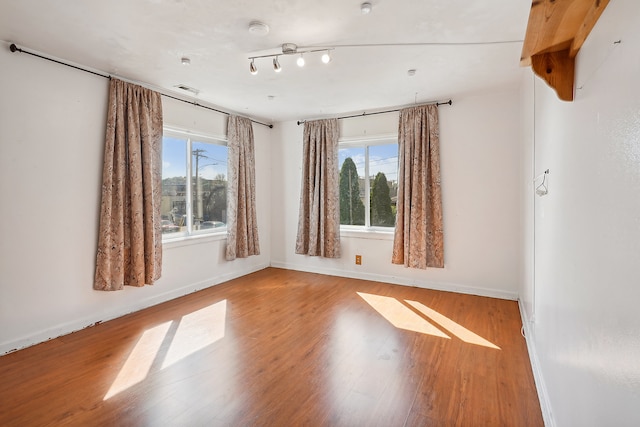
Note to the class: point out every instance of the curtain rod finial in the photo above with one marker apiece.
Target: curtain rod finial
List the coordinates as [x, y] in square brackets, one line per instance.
[13, 47]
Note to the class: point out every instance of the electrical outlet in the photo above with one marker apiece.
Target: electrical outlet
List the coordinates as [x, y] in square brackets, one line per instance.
[358, 259]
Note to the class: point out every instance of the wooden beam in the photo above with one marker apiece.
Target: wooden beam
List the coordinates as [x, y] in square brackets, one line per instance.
[556, 31]
[552, 25]
[558, 70]
[592, 16]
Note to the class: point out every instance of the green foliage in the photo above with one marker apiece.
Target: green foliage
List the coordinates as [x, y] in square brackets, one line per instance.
[351, 207]
[215, 200]
[381, 211]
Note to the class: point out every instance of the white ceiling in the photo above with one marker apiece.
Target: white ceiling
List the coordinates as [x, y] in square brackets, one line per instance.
[143, 40]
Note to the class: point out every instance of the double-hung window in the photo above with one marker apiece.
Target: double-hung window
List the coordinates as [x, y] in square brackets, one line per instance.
[368, 183]
[194, 184]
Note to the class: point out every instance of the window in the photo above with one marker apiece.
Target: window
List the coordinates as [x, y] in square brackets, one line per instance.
[368, 183]
[195, 202]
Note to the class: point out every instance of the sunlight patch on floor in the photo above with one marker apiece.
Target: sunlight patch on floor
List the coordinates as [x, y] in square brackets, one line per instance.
[401, 316]
[195, 331]
[456, 329]
[139, 362]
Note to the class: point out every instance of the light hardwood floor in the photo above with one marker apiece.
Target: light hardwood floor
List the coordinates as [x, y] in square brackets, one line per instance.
[284, 348]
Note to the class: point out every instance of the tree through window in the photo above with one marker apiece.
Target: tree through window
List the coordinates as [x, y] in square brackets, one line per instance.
[368, 183]
[351, 206]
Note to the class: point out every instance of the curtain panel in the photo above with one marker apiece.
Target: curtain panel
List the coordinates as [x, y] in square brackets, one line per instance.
[319, 215]
[130, 239]
[242, 226]
[418, 238]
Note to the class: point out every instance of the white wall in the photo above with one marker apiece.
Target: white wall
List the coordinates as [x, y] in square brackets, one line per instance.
[586, 332]
[52, 126]
[481, 172]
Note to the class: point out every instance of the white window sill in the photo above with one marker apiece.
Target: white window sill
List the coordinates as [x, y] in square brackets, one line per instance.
[374, 233]
[194, 239]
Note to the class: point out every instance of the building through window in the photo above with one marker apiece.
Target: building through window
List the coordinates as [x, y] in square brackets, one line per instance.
[194, 202]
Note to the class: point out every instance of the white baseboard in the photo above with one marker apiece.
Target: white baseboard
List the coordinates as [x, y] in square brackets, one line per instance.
[76, 325]
[79, 324]
[426, 284]
[543, 396]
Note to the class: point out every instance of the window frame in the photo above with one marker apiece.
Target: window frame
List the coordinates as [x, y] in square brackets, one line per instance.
[367, 230]
[190, 137]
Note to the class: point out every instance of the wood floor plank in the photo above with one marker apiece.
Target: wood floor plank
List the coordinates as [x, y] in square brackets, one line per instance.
[280, 347]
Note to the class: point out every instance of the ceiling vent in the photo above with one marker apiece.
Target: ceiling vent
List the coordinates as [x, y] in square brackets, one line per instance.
[187, 89]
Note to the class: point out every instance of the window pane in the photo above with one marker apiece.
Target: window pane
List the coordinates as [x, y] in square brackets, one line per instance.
[209, 175]
[174, 182]
[383, 171]
[351, 163]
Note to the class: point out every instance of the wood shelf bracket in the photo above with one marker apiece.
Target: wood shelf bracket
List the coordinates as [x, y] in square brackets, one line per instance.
[558, 70]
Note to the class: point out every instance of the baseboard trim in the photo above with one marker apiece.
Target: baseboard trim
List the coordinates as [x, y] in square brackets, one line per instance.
[426, 284]
[77, 325]
[543, 395]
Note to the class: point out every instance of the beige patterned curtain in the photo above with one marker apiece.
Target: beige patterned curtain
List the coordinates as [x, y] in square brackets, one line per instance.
[319, 215]
[418, 239]
[130, 238]
[242, 226]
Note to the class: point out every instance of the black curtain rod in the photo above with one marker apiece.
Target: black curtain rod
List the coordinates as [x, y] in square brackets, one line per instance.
[449, 102]
[15, 48]
[270, 126]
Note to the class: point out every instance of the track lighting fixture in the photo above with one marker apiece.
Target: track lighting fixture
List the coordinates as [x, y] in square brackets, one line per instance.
[290, 49]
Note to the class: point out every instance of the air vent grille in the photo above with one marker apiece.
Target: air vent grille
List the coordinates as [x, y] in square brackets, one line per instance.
[187, 88]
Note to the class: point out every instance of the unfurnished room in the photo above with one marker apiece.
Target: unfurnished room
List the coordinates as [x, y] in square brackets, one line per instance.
[345, 213]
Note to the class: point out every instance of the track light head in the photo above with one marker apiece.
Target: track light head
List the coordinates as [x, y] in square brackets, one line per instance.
[290, 49]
